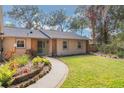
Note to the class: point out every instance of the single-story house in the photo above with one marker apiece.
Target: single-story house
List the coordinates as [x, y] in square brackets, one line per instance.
[51, 43]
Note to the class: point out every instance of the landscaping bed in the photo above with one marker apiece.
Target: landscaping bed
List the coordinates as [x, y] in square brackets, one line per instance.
[21, 72]
[106, 55]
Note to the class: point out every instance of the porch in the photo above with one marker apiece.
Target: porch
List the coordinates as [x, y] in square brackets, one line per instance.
[44, 47]
[40, 46]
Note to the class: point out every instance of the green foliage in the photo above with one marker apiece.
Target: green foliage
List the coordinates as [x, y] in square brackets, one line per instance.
[57, 17]
[46, 61]
[13, 64]
[9, 69]
[37, 59]
[6, 75]
[78, 23]
[0, 84]
[26, 15]
[116, 14]
[22, 60]
[107, 49]
[115, 47]
[120, 54]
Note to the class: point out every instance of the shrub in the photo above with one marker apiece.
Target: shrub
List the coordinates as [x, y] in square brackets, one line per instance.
[31, 53]
[46, 61]
[108, 49]
[37, 59]
[13, 64]
[0, 84]
[22, 60]
[101, 48]
[120, 54]
[111, 49]
[6, 75]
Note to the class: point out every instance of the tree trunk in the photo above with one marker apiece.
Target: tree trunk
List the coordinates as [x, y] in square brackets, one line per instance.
[105, 27]
[105, 33]
[93, 32]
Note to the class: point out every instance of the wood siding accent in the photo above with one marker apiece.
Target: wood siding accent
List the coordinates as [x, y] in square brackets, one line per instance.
[54, 47]
[34, 44]
[87, 46]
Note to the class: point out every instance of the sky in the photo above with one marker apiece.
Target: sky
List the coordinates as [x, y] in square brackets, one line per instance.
[69, 9]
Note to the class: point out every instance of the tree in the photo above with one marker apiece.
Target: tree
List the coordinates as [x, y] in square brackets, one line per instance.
[102, 21]
[28, 16]
[78, 24]
[116, 14]
[41, 20]
[57, 18]
[79, 21]
[98, 21]
[90, 13]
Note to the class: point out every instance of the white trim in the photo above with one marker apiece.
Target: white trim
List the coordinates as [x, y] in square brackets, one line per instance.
[67, 44]
[20, 40]
[79, 41]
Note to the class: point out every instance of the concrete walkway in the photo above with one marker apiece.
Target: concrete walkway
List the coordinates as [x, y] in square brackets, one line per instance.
[55, 77]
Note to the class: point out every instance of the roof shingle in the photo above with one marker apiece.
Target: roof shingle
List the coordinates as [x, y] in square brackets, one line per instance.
[63, 35]
[21, 32]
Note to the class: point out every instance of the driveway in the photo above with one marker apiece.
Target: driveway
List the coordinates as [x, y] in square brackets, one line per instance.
[55, 77]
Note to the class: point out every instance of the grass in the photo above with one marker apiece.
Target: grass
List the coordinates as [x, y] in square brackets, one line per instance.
[90, 71]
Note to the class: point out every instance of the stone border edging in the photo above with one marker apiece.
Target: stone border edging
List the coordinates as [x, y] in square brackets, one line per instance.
[106, 56]
[34, 79]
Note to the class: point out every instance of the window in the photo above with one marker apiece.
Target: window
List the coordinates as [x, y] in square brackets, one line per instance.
[65, 44]
[79, 44]
[20, 43]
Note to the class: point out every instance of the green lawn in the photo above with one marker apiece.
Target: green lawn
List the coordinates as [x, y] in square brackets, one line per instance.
[93, 71]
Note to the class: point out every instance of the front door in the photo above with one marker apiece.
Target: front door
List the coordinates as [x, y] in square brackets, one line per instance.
[54, 47]
[42, 47]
